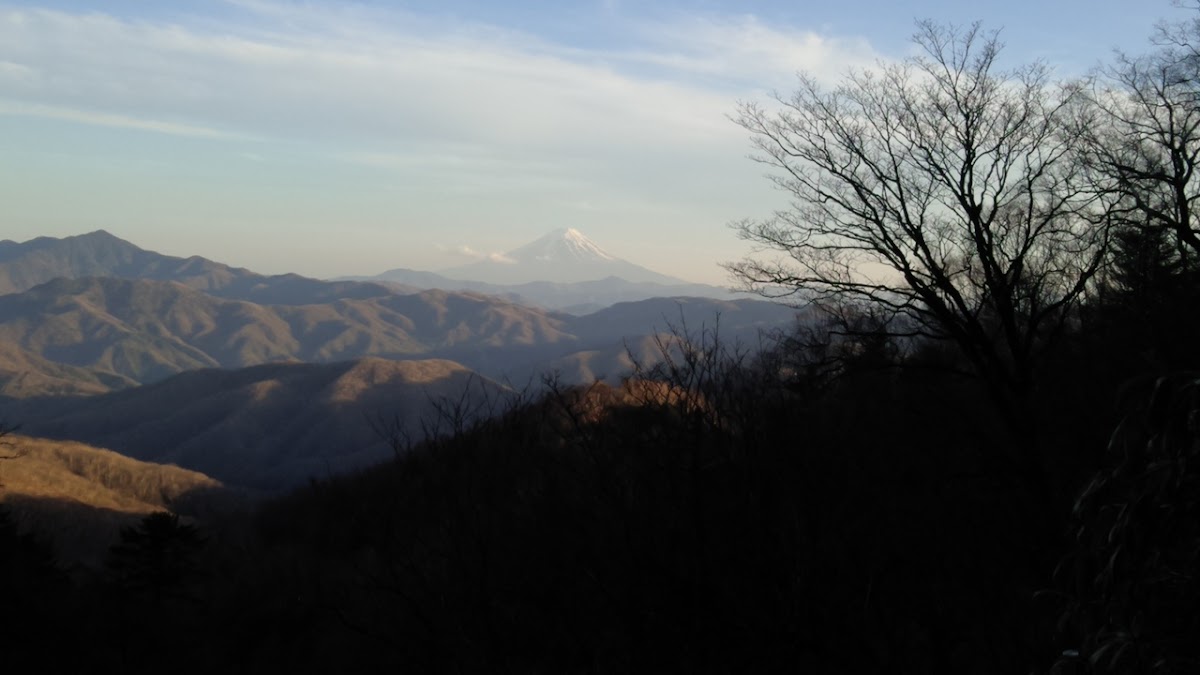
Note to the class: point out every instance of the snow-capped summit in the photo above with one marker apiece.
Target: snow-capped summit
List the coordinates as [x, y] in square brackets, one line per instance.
[565, 256]
[567, 244]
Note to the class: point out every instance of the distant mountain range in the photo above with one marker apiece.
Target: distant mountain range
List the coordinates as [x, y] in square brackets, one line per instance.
[264, 381]
[144, 330]
[579, 298]
[100, 254]
[79, 336]
[267, 427]
[562, 271]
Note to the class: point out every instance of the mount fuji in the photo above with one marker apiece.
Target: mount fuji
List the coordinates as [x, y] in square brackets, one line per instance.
[563, 256]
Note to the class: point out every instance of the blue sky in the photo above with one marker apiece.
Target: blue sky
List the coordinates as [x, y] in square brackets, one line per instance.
[333, 138]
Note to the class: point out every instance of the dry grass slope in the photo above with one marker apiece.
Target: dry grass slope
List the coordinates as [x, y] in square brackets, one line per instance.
[82, 495]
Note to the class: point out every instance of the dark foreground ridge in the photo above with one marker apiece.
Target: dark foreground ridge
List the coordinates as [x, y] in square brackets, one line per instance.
[831, 506]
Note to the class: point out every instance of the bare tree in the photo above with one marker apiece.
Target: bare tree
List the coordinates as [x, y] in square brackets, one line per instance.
[942, 190]
[1144, 144]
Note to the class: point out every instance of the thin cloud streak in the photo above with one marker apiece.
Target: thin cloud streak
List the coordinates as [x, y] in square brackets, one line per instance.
[16, 108]
[746, 53]
[480, 255]
[356, 82]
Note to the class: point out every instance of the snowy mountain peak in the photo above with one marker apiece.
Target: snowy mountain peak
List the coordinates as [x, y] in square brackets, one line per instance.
[563, 256]
[565, 245]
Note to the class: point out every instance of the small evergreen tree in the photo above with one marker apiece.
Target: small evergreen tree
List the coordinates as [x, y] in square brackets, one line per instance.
[157, 559]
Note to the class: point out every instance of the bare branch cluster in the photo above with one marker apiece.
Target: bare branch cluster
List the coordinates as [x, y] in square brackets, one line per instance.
[1143, 144]
[942, 190]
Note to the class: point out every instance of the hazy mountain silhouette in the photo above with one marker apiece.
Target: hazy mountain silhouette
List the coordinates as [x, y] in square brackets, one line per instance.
[636, 334]
[100, 254]
[563, 256]
[578, 298]
[735, 319]
[269, 426]
[562, 271]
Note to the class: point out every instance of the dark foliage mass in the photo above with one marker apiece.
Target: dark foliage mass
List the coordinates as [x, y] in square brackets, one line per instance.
[833, 505]
[853, 498]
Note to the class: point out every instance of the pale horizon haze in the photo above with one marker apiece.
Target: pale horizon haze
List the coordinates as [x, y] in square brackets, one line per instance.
[348, 138]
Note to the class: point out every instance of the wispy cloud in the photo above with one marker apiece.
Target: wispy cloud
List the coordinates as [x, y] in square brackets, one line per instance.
[746, 52]
[14, 72]
[480, 255]
[110, 120]
[351, 73]
[450, 169]
[465, 251]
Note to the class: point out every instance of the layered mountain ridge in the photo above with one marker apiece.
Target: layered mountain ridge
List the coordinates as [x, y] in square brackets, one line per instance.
[266, 381]
[100, 254]
[268, 427]
[146, 330]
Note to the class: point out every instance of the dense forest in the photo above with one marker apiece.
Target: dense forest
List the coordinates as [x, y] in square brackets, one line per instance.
[984, 463]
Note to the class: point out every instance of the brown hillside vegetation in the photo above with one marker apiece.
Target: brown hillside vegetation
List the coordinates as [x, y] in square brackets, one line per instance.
[615, 362]
[23, 374]
[148, 330]
[82, 495]
[123, 331]
[591, 365]
[268, 426]
[599, 401]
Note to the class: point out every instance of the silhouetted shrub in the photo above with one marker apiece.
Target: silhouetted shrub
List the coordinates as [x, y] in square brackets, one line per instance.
[157, 558]
[1132, 583]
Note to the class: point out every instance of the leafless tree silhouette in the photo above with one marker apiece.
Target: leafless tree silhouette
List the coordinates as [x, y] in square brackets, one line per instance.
[942, 192]
[1143, 142]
